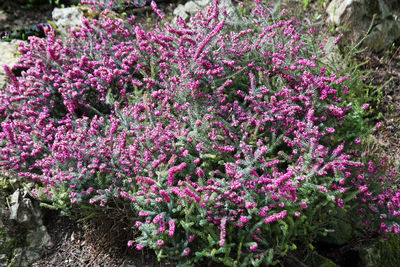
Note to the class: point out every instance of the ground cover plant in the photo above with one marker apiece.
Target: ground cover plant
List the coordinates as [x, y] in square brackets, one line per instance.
[226, 139]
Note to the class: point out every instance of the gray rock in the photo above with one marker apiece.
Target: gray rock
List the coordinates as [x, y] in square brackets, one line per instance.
[181, 11]
[66, 19]
[22, 226]
[202, 3]
[23, 212]
[357, 16]
[15, 197]
[8, 56]
[4, 215]
[192, 7]
[39, 238]
[24, 257]
[127, 263]
[19, 213]
[3, 260]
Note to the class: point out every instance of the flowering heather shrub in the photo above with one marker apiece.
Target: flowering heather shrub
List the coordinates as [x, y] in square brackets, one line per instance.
[222, 135]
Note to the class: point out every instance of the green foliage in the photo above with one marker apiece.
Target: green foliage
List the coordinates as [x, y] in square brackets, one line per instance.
[59, 199]
[389, 249]
[355, 92]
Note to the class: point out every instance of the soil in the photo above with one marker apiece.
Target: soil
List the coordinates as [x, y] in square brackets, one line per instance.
[91, 243]
[83, 244]
[12, 16]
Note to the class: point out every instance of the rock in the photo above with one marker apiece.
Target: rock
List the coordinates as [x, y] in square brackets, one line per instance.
[383, 35]
[332, 52]
[8, 56]
[3, 260]
[192, 7]
[15, 197]
[357, 15]
[127, 263]
[66, 19]
[202, 3]
[183, 11]
[22, 234]
[24, 257]
[22, 212]
[39, 238]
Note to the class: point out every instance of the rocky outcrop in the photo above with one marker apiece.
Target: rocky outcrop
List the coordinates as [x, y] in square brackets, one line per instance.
[8, 56]
[192, 7]
[23, 237]
[67, 18]
[357, 16]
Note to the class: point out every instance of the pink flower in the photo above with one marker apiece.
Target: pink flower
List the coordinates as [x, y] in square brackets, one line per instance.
[279, 216]
[143, 214]
[160, 242]
[338, 39]
[340, 203]
[156, 10]
[330, 130]
[191, 194]
[171, 229]
[253, 247]
[322, 189]
[303, 205]
[186, 251]
[165, 196]
[172, 171]
[345, 90]
[244, 219]
[199, 172]
[139, 246]
[158, 218]
[222, 232]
